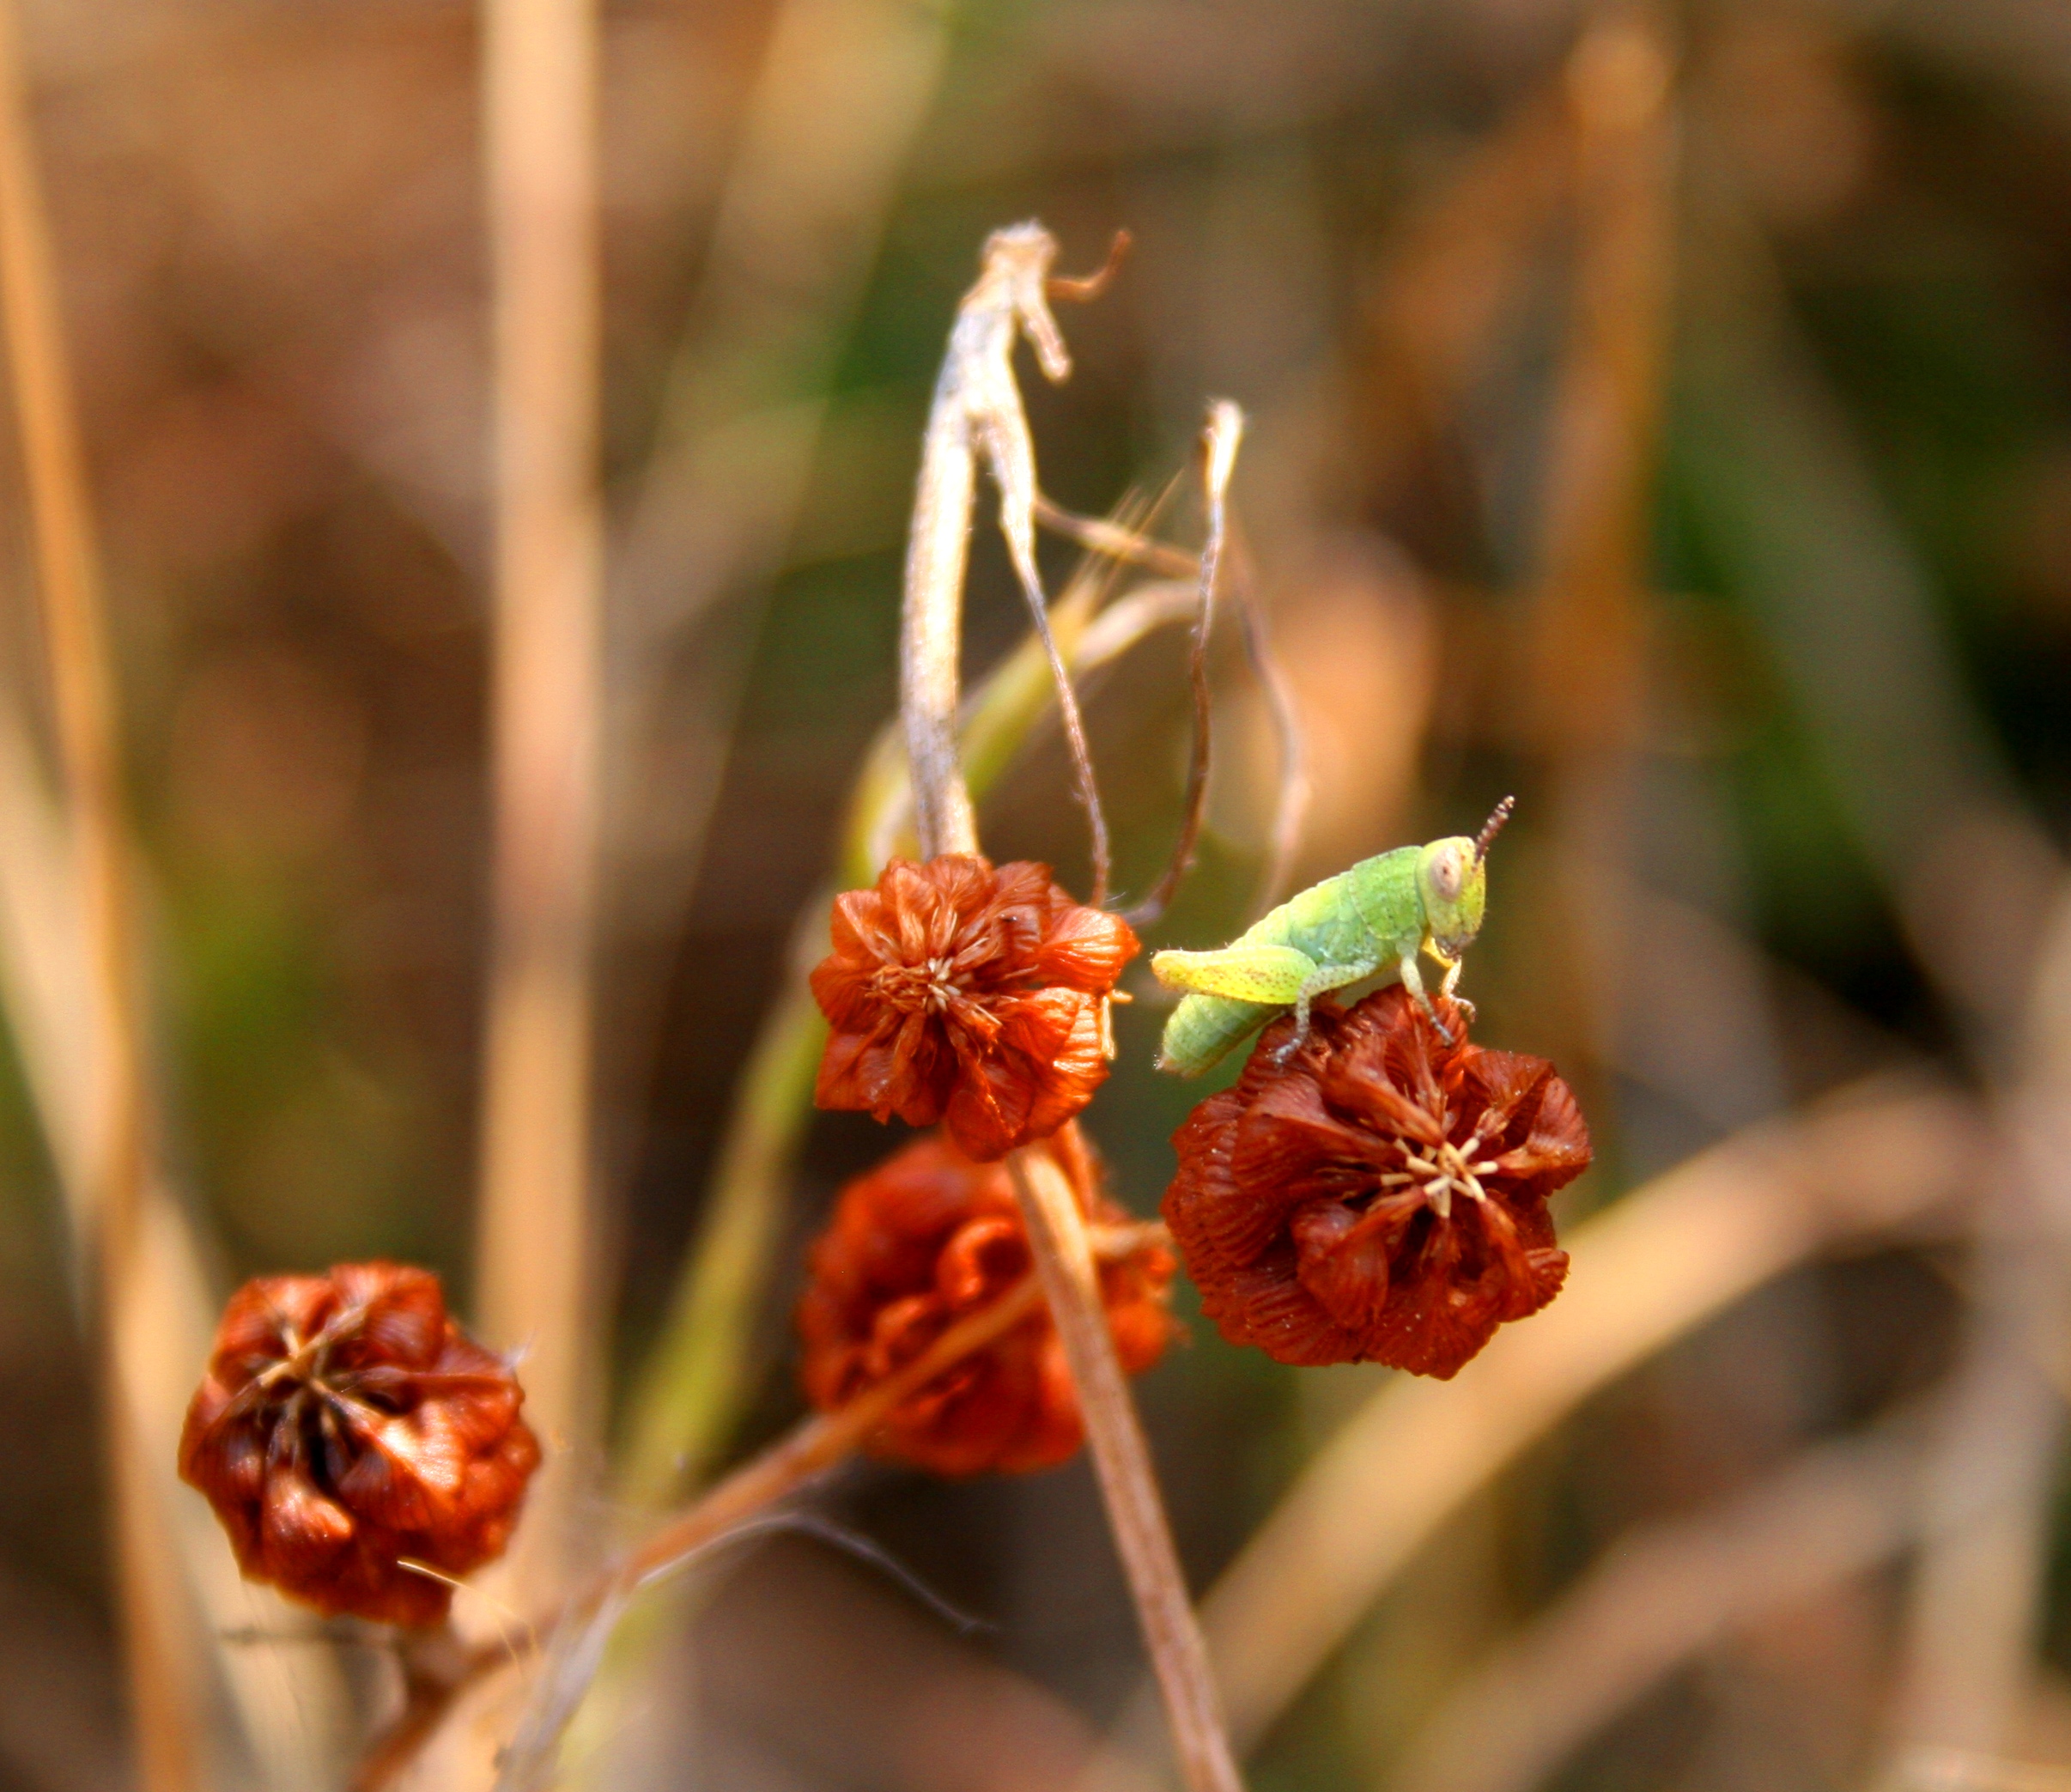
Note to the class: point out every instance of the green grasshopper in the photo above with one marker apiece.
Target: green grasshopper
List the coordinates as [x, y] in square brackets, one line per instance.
[1375, 917]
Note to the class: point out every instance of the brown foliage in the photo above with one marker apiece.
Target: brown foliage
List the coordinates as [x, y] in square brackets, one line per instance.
[347, 1426]
[1381, 1195]
[926, 1237]
[970, 996]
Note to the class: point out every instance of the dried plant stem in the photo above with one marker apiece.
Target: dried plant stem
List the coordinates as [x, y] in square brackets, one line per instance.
[158, 1653]
[539, 78]
[977, 414]
[807, 1450]
[1064, 1259]
[1101, 534]
[1219, 439]
[977, 404]
[931, 636]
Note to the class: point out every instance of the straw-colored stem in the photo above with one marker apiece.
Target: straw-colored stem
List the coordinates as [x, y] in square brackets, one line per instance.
[162, 1694]
[534, 1245]
[931, 638]
[1121, 1459]
[977, 383]
[1225, 428]
[787, 1464]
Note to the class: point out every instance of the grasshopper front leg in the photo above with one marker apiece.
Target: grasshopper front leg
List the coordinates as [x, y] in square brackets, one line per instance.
[1450, 987]
[1412, 980]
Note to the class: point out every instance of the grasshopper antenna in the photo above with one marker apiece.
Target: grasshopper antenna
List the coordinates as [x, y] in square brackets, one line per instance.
[1492, 827]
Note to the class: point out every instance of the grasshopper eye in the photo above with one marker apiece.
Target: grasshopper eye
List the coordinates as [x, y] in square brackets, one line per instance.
[1447, 876]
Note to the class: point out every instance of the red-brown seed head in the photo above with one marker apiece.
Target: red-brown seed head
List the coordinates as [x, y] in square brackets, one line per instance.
[348, 1426]
[922, 1241]
[970, 996]
[1380, 1195]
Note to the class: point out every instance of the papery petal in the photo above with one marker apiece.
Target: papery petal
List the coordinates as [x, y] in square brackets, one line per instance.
[942, 1235]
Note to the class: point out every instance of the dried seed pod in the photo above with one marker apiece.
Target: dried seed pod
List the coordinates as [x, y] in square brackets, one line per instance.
[926, 1237]
[348, 1428]
[1381, 1194]
[970, 996]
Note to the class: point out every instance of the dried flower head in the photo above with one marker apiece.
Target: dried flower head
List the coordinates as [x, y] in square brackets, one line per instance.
[348, 1427]
[1381, 1195]
[970, 996]
[927, 1237]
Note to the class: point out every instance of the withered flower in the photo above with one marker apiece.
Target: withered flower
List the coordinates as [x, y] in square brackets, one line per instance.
[925, 1239]
[1380, 1195]
[348, 1427]
[971, 996]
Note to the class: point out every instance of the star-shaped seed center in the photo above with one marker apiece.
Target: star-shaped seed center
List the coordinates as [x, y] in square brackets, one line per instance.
[1443, 1170]
[931, 986]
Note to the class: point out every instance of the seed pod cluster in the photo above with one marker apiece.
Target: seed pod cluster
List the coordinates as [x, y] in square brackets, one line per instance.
[927, 1237]
[1380, 1195]
[347, 1429]
[971, 996]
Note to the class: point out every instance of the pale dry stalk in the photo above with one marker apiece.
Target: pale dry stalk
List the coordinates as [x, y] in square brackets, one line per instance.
[533, 1237]
[1128, 1482]
[1219, 439]
[977, 415]
[978, 410]
[158, 1650]
[1662, 1595]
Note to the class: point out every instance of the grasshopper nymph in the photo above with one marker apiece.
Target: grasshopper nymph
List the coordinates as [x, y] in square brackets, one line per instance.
[1375, 917]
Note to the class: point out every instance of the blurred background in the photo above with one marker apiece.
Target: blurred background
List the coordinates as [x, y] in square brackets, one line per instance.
[1662, 411]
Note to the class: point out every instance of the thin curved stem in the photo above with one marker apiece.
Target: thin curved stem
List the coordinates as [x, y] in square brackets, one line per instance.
[808, 1449]
[1219, 439]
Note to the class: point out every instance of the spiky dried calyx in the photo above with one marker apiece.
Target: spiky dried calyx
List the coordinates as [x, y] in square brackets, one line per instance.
[971, 996]
[348, 1428]
[925, 1239]
[1380, 1195]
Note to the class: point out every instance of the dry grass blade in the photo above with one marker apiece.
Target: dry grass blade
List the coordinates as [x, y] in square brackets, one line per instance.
[291, 1704]
[1652, 1267]
[534, 1241]
[1958, 1770]
[1976, 1602]
[1220, 440]
[1658, 1598]
[158, 1640]
[1290, 806]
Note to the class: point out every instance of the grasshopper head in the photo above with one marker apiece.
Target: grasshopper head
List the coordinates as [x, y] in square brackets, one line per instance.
[1452, 878]
[1454, 885]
